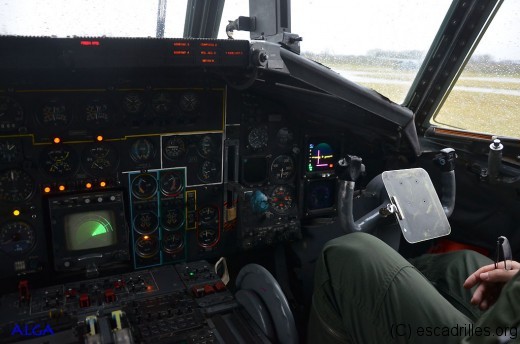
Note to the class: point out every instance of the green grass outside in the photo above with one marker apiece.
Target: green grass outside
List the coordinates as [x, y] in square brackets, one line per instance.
[482, 112]
[474, 111]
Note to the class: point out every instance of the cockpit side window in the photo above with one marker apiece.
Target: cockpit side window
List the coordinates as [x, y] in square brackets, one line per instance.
[486, 96]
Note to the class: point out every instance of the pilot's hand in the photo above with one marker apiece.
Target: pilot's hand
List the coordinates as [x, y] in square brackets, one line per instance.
[490, 281]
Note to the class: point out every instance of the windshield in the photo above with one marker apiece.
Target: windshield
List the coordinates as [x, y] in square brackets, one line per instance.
[110, 18]
[377, 43]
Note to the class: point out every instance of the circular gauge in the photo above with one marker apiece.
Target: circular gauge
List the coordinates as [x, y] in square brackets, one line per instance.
[17, 238]
[142, 150]
[10, 151]
[206, 146]
[15, 186]
[11, 114]
[257, 138]
[171, 183]
[54, 114]
[59, 161]
[172, 242]
[208, 214]
[320, 194]
[97, 113]
[284, 136]
[99, 159]
[146, 222]
[208, 171]
[174, 148]
[207, 237]
[282, 167]
[146, 246]
[144, 186]
[189, 102]
[172, 217]
[133, 103]
[281, 199]
[162, 103]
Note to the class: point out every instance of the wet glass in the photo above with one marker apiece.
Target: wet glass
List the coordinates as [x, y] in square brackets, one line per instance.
[92, 18]
[376, 43]
[486, 96]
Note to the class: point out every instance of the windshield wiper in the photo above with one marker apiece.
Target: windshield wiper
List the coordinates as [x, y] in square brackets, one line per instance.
[161, 18]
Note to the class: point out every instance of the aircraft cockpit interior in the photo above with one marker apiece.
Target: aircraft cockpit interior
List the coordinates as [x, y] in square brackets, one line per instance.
[179, 187]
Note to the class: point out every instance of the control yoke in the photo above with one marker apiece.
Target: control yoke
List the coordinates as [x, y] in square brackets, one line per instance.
[408, 195]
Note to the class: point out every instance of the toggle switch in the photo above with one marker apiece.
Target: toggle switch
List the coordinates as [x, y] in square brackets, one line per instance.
[110, 296]
[208, 289]
[84, 301]
[220, 286]
[23, 291]
[197, 291]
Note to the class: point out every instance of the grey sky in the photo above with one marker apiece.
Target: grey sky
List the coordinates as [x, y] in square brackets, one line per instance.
[335, 26]
[355, 27]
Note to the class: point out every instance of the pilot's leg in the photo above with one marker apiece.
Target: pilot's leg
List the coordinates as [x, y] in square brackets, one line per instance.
[365, 292]
[448, 271]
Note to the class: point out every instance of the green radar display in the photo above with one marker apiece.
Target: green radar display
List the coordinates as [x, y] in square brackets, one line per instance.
[93, 229]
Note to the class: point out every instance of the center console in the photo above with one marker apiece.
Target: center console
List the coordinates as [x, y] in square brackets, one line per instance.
[185, 303]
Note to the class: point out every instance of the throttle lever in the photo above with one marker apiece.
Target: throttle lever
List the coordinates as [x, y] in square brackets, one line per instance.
[495, 173]
[494, 160]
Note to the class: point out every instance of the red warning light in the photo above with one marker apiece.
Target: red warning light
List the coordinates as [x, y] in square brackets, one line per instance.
[89, 43]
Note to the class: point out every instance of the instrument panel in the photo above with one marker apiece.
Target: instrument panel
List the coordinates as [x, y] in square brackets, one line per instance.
[67, 153]
[188, 186]
[140, 168]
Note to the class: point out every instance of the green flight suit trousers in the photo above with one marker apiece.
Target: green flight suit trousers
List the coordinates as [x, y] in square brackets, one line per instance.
[365, 292]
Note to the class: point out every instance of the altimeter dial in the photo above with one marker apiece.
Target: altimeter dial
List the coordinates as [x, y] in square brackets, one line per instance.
[15, 186]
